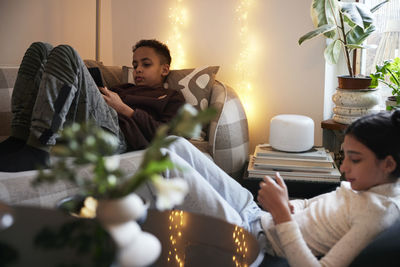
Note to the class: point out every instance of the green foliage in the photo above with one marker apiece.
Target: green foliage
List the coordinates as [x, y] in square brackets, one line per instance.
[388, 74]
[87, 145]
[347, 24]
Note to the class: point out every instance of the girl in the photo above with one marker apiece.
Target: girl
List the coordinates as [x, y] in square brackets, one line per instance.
[328, 230]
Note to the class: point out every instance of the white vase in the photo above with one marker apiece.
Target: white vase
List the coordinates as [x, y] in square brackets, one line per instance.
[118, 216]
[130, 207]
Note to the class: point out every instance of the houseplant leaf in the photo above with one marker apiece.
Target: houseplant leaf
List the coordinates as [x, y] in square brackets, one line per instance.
[321, 30]
[378, 6]
[357, 35]
[323, 12]
[352, 25]
[356, 13]
[332, 52]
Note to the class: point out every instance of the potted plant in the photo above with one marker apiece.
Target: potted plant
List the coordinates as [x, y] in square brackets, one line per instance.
[347, 25]
[389, 74]
[109, 192]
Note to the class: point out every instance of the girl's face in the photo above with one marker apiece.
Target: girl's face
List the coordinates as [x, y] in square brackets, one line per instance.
[362, 168]
[147, 68]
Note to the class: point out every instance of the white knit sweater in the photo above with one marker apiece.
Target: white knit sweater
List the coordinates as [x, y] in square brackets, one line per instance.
[336, 225]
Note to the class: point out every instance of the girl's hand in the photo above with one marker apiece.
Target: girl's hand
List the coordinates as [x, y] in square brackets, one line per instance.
[273, 197]
[113, 100]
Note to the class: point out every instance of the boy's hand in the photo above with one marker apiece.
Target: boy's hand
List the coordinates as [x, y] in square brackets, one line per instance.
[273, 197]
[113, 100]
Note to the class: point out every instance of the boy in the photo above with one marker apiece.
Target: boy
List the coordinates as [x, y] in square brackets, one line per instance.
[54, 87]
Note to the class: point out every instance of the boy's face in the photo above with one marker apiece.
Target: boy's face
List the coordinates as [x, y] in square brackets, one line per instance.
[147, 68]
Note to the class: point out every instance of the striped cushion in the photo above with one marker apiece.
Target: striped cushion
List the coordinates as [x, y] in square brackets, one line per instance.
[231, 147]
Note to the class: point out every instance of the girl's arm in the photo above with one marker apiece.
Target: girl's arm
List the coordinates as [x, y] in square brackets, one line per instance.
[341, 254]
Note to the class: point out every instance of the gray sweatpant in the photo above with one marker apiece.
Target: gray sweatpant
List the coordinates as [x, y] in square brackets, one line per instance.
[54, 88]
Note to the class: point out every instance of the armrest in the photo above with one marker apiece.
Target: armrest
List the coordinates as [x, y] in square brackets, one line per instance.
[228, 133]
[8, 75]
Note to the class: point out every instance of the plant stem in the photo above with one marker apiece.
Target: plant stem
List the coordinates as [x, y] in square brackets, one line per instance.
[341, 30]
[346, 51]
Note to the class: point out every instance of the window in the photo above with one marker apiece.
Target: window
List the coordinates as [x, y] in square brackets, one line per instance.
[383, 16]
[386, 39]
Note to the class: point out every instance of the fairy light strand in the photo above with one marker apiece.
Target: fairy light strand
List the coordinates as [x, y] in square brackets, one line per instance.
[247, 54]
[178, 17]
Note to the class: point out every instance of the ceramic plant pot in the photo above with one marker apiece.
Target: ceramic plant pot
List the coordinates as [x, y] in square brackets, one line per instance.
[348, 82]
[391, 103]
[354, 98]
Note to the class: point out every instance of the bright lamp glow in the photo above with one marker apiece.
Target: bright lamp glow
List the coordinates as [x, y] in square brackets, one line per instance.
[247, 55]
[178, 17]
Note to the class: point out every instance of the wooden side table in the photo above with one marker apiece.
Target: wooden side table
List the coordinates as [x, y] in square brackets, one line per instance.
[332, 138]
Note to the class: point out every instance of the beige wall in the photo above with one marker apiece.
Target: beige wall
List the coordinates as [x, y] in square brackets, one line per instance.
[286, 78]
[55, 21]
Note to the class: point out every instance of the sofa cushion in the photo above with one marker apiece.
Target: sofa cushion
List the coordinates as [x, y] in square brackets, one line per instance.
[195, 84]
[112, 75]
[16, 187]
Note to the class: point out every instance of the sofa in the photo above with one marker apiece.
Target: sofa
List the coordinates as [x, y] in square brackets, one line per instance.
[225, 139]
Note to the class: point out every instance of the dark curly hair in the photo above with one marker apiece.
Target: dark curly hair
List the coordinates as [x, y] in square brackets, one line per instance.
[379, 132]
[160, 48]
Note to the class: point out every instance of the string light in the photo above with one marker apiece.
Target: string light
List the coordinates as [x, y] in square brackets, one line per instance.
[178, 17]
[176, 223]
[247, 55]
[241, 247]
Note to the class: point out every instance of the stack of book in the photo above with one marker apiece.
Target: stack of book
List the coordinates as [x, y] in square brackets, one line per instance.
[315, 165]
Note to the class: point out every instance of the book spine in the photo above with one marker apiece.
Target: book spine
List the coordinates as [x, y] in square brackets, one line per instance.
[304, 179]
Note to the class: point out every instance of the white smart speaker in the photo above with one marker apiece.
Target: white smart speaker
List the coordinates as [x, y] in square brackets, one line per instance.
[291, 133]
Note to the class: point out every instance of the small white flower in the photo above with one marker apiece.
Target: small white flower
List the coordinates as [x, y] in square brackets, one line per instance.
[170, 192]
[90, 140]
[112, 179]
[190, 109]
[111, 163]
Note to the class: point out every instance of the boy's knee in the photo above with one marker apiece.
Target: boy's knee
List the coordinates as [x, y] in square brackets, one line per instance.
[64, 53]
[34, 58]
[41, 49]
[63, 63]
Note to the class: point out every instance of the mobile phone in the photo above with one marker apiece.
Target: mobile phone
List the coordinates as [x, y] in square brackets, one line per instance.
[96, 75]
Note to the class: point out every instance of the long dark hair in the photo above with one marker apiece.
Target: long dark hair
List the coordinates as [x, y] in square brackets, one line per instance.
[379, 132]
